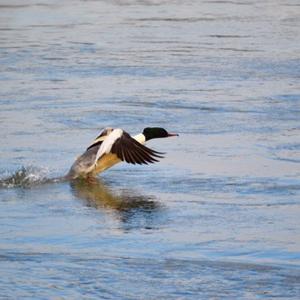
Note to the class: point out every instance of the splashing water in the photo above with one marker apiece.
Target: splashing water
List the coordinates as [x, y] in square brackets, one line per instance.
[27, 177]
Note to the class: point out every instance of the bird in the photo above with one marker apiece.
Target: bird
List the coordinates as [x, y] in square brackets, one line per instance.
[114, 145]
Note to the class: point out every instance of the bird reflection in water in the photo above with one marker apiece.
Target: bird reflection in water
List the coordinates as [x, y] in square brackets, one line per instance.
[132, 209]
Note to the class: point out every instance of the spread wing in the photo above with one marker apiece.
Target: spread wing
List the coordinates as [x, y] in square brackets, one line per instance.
[129, 150]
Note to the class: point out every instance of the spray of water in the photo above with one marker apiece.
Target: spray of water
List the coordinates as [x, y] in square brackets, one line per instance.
[28, 177]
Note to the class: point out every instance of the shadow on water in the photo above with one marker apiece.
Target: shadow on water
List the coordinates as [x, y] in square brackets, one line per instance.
[93, 191]
[132, 209]
[126, 203]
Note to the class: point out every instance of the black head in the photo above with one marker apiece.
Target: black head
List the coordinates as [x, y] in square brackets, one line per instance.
[156, 132]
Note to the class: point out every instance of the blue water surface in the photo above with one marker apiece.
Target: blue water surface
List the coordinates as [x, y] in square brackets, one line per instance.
[218, 217]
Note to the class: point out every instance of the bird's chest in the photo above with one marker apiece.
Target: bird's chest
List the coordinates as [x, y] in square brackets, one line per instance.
[105, 162]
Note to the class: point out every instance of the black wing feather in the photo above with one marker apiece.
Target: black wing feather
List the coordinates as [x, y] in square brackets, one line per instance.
[131, 151]
[94, 145]
[127, 156]
[147, 155]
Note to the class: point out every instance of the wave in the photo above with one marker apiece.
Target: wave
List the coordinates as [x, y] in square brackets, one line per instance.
[27, 177]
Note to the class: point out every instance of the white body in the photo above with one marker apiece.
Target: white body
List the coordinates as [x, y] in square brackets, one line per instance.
[108, 143]
[89, 164]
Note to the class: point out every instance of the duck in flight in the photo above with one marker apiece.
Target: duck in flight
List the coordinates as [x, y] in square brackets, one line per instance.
[113, 146]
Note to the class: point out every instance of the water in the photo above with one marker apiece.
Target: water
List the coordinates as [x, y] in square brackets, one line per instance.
[218, 218]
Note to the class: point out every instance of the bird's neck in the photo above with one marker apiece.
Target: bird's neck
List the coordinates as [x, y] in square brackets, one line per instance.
[140, 138]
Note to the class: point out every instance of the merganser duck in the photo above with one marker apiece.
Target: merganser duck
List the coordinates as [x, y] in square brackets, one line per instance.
[113, 146]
